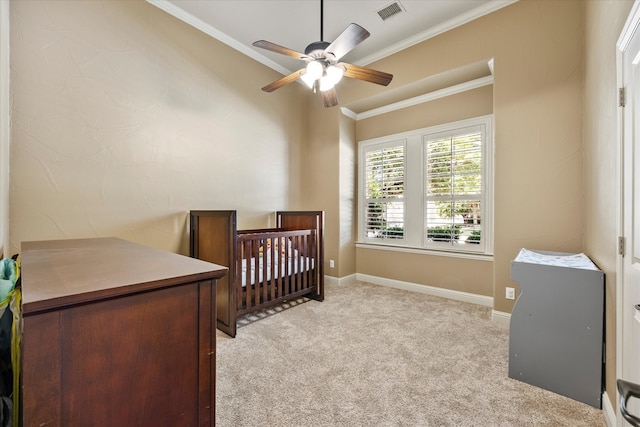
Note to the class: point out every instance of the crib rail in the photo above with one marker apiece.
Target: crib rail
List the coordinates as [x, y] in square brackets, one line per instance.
[274, 265]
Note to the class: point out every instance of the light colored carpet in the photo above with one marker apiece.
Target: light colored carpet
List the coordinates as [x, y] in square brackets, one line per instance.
[376, 356]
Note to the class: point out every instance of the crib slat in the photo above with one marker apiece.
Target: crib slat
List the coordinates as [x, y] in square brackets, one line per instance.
[247, 287]
[264, 285]
[285, 262]
[313, 262]
[255, 271]
[278, 279]
[274, 263]
[299, 264]
[305, 257]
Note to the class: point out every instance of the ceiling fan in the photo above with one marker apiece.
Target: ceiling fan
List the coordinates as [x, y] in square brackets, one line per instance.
[323, 70]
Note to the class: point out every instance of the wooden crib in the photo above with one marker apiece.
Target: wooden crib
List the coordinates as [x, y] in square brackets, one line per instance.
[254, 281]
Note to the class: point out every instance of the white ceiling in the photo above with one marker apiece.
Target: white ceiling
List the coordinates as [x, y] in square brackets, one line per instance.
[296, 23]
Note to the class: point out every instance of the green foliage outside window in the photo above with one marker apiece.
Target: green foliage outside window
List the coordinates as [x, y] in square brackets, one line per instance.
[444, 233]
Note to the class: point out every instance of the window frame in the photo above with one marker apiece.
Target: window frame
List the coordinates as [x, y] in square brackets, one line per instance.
[415, 225]
[363, 185]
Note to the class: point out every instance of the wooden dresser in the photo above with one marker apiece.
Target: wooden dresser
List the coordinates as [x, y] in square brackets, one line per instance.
[116, 334]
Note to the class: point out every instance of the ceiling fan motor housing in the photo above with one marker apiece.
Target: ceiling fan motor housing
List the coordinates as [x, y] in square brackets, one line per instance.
[316, 49]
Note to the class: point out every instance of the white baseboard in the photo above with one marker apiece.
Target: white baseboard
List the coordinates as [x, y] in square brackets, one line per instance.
[501, 316]
[608, 411]
[425, 289]
[330, 280]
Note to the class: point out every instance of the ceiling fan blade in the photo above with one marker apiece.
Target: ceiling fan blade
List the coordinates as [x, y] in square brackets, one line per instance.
[263, 44]
[283, 81]
[329, 98]
[366, 74]
[351, 37]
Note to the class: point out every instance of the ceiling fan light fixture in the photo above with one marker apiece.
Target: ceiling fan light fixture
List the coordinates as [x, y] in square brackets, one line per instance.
[326, 83]
[308, 80]
[314, 70]
[335, 73]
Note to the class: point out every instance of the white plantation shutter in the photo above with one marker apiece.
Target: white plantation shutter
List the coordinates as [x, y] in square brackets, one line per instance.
[384, 168]
[453, 188]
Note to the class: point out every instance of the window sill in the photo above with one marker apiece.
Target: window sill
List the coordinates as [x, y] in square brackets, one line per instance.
[423, 251]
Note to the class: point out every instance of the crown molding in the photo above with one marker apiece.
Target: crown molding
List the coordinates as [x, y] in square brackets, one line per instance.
[476, 13]
[442, 93]
[458, 21]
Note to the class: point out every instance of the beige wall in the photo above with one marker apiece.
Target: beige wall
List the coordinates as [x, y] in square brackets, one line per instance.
[348, 197]
[124, 119]
[537, 48]
[603, 22]
[322, 174]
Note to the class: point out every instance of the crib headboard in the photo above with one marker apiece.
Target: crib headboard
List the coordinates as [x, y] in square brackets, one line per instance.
[219, 247]
[304, 220]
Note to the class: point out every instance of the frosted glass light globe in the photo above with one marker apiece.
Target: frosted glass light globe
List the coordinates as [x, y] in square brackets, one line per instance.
[335, 73]
[314, 70]
[306, 78]
[326, 83]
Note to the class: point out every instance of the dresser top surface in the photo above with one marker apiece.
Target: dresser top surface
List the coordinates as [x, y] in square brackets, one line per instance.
[58, 273]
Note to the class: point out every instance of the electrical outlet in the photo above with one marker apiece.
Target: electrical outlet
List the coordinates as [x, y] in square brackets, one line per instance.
[510, 293]
[331, 263]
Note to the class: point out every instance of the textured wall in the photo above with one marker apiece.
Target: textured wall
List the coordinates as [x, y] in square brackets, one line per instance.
[604, 22]
[124, 119]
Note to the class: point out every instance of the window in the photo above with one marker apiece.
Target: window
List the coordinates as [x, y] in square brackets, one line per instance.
[384, 186]
[429, 189]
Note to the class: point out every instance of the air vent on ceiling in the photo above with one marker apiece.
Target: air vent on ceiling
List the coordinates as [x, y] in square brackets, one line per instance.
[390, 10]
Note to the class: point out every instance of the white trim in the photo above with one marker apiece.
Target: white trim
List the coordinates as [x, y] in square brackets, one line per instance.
[619, 232]
[501, 316]
[188, 18]
[458, 21]
[630, 27]
[426, 289]
[339, 281]
[5, 127]
[349, 113]
[427, 97]
[608, 411]
[424, 251]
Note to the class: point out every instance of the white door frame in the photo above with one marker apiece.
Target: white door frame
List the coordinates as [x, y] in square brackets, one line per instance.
[631, 26]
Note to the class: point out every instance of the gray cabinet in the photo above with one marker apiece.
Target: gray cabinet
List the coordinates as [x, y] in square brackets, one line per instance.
[556, 335]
